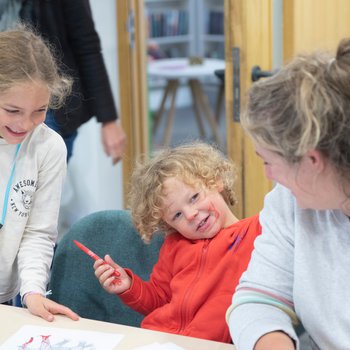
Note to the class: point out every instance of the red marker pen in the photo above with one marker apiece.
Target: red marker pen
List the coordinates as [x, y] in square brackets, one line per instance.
[86, 250]
[94, 256]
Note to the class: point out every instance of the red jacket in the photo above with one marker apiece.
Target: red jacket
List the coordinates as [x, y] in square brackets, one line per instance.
[192, 284]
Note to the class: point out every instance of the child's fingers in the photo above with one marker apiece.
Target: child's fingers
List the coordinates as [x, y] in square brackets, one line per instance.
[109, 283]
[102, 269]
[106, 272]
[111, 262]
[98, 263]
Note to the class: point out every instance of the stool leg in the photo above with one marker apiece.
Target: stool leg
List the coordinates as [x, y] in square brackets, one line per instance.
[207, 111]
[196, 108]
[170, 120]
[158, 115]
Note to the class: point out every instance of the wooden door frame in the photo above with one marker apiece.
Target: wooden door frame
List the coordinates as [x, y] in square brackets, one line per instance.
[133, 84]
[248, 26]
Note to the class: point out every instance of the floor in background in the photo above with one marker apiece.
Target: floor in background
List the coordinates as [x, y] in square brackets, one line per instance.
[185, 128]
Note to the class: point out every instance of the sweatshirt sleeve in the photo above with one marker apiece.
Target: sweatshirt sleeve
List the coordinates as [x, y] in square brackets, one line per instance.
[263, 301]
[40, 233]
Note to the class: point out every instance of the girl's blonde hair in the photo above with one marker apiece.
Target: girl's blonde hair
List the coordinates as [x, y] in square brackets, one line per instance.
[305, 106]
[24, 56]
[196, 164]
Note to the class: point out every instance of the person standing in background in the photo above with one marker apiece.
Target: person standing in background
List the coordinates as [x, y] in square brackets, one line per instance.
[69, 27]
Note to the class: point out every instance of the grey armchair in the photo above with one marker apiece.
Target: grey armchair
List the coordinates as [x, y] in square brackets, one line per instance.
[73, 282]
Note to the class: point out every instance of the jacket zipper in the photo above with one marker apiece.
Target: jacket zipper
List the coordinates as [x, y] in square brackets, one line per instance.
[184, 306]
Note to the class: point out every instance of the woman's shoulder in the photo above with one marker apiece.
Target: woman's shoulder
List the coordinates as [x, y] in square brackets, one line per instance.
[279, 192]
[279, 197]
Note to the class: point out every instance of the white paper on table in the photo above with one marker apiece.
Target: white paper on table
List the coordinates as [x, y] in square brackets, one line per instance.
[153, 346]
[172, 346]
[51, 338]
[158, 346]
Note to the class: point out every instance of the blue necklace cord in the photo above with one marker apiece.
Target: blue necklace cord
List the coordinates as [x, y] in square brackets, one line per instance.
[9, 183]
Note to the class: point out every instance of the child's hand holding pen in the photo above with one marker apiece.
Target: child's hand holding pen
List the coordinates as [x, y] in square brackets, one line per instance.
[106, 271]
[113, 278]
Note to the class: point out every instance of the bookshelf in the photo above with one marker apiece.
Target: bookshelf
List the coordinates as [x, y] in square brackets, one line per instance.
[210, 29]
[171, 26]
[183, 28]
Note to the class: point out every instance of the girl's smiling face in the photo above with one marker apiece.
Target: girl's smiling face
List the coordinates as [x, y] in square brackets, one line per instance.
[22, 108]
[196, 213]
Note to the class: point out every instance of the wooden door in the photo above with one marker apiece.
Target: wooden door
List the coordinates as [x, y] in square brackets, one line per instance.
[248, 27]
[307, 25]
[248, 42]
[314, 24]
[133, 82]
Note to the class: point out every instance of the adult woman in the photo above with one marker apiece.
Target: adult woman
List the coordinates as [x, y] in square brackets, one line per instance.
[299, 121]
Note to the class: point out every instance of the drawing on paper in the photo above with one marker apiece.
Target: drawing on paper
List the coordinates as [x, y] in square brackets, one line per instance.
[43, 342]
[50, 338]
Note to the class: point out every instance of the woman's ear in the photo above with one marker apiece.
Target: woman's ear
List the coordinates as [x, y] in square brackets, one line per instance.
[315, 161]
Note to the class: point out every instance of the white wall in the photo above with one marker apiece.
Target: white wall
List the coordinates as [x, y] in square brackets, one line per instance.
[92, 183]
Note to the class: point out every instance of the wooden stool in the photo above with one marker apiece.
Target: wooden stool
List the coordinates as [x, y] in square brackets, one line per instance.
[174, 70]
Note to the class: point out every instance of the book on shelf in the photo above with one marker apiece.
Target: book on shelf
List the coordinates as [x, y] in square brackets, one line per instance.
[166, 23]
[215, 22]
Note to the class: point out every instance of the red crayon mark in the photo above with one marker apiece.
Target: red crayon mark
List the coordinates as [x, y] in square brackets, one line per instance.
[29, 341]
[45, 342]
[212, 209]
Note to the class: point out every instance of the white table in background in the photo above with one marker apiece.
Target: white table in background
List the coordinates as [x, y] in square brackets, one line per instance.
[175, 70]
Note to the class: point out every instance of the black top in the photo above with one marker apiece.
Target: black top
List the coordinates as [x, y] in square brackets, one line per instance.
[69, 26]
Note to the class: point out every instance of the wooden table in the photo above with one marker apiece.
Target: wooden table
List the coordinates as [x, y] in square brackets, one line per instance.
[13, 318]
[175, 70]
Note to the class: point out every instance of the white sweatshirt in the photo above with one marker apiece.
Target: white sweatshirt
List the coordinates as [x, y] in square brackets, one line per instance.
[28, 236]
[301, 264]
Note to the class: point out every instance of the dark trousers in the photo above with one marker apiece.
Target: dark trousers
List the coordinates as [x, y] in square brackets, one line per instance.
[68, 139]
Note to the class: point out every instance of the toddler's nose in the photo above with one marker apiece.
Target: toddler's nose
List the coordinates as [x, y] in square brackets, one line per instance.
[191, 213]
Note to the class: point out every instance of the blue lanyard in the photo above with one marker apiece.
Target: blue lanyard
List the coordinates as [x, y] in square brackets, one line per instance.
[9, 183]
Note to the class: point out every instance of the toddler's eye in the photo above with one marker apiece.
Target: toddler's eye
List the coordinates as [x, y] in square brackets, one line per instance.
[194, 197]
[177, 215]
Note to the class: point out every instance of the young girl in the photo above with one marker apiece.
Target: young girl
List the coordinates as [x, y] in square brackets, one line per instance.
[33, 164]
[299, 120]
[186, 192]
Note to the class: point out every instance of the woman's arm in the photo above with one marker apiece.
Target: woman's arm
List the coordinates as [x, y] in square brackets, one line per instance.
[263, 302]
[275, 341]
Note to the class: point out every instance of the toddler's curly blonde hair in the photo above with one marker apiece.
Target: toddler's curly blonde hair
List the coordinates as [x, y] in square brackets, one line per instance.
[196, 164]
